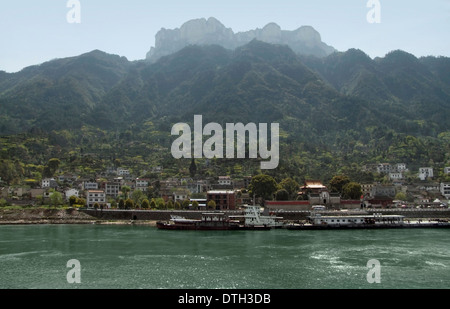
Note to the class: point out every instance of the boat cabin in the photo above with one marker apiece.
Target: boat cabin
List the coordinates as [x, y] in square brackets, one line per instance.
[318, 219]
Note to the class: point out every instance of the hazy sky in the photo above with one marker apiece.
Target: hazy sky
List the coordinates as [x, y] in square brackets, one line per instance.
[36, 31]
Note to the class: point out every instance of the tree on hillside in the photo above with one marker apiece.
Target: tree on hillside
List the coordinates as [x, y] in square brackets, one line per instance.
[282, 195]
[185, 204]
[56, 199]
[211, 205]
[81, 202]
[337, 183]
[137, 196]
[401, 196]
[125, 190]
[129, 204]
[72, 200]
[291, 186]
[145, 204]
[352, 190]
[263, 186]
[193, 168]
[53, 164]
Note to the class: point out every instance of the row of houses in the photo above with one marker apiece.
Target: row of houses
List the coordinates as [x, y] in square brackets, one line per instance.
[396, 171]
[373, 194]
[110, 187]
[224, 199]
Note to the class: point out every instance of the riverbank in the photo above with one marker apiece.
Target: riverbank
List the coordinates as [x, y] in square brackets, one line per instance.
[35, 216]
[17, 216]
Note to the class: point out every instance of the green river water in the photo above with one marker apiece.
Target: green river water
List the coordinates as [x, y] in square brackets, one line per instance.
[142, 257]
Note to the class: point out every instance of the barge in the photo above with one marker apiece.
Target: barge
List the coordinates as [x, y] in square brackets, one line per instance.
[208, 222]
[253, 219]
[376, 221]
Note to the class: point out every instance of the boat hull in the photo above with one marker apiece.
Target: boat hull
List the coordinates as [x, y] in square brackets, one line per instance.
[367, 226]
[195, 227]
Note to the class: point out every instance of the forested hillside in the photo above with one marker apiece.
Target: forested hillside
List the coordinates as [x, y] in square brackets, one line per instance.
[336, 113]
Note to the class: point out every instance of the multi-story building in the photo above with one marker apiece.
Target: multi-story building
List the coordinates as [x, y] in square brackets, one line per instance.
[395, 176]
[224, 199]
[366, 189]
[224, 181]
[95, 196]
[90, 185]
[49, 183]
[425, 172]
[384, 168]
[445, 190]
[123, 172]
[141, 184]
[383, 190]
[112, 189]
[401, 167]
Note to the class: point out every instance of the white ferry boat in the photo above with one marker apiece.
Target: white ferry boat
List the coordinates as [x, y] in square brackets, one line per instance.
[254, 218]
[318, 222]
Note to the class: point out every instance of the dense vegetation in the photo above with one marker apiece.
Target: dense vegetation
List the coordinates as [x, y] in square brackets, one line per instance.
[336, 114]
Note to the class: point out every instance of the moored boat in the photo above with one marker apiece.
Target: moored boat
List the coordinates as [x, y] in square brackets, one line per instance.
[254, 217]
[375, 221]
[208, 221]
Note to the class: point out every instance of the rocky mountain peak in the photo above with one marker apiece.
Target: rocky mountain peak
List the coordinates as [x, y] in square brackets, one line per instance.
[305, 40]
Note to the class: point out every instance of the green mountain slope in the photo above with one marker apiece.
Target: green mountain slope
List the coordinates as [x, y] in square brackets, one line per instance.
[335, 112]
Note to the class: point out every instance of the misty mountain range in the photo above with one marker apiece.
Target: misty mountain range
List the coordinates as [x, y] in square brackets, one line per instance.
[314, 98]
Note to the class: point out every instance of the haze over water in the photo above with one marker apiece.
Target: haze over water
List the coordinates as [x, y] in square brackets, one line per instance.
[134, 257]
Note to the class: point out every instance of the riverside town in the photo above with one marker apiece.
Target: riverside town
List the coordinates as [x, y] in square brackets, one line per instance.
[250, 202]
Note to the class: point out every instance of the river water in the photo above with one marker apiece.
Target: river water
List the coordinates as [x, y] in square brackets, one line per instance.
[142, 257]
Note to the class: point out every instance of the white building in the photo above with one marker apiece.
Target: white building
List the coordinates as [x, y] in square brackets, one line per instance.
[446, 170]
[396, 176]
[89, 185]
[445, 190]
[95, 196]
[401, 167]
[71, 192]
[142, 184]
[425, 172]
[123, 172]
[384, 168]
[49, 183]
[224, 180]
[180, 196]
